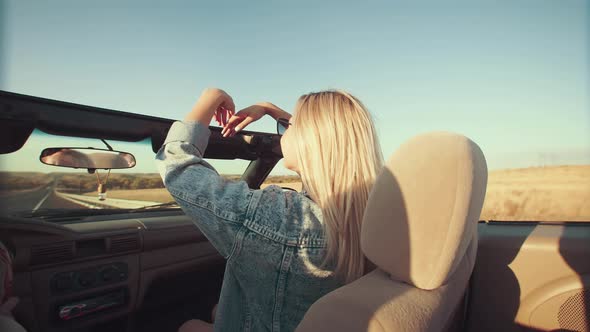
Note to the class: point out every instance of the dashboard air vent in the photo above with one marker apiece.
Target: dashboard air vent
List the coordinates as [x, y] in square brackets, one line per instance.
[123, 243]
[51, 253]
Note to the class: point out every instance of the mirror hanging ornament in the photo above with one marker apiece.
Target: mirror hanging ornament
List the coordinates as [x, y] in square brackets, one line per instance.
[102, 187]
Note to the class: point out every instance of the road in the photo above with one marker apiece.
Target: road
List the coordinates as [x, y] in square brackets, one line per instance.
[41, 198]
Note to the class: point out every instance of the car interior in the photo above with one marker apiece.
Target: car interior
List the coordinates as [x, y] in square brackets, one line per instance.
[438, 267]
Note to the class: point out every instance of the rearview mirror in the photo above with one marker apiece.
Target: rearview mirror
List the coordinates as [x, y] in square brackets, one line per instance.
[87, 158]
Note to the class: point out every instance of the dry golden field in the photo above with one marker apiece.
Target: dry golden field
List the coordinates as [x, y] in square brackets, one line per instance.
[560, 193]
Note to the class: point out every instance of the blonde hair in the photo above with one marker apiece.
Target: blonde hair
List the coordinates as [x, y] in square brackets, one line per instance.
[339, 158]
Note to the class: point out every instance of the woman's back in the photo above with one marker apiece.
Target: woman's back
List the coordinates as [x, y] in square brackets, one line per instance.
[273, 240]
[284, 250]
[274, 274]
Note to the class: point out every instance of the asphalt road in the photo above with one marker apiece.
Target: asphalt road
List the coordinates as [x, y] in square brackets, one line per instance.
[42, 198]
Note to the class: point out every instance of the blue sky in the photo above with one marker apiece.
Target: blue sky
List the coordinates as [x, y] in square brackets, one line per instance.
[512, 75]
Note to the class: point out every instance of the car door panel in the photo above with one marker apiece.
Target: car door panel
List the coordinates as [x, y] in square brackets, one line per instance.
[531, 276]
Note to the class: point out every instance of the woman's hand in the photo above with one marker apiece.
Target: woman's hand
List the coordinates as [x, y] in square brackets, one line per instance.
[250, 114]
[243, 118]
[222, 116]
[213, 104]
[8, 305]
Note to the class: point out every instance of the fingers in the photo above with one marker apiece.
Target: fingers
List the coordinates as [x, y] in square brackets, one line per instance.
[235, 124]
[217, 117]
[245, 122]
[227, 101]
[229, 105]
[226, 109]
[233, 121]
[222, 115]
[225, 115]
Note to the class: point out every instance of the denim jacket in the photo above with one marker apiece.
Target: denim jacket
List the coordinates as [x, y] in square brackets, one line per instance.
[272, 239]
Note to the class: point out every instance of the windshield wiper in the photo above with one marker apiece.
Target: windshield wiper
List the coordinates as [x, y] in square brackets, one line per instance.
[61, 213]
[171, 204]
[56, 214]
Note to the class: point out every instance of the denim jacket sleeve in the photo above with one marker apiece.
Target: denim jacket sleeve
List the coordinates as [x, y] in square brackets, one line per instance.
[217, 206]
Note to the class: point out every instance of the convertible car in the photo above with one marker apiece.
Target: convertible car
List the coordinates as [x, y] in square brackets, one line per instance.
[90, 250]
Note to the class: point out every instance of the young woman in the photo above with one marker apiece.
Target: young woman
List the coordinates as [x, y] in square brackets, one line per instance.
[284, 249]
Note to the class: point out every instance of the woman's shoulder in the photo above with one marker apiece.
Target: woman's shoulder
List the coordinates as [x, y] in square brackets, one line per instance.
[287, 216]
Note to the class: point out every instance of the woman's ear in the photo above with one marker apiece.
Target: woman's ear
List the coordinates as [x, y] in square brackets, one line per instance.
[289, 153]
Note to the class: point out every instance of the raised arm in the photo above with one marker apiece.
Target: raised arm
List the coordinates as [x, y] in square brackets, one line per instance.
[218, 207]
[213, 103]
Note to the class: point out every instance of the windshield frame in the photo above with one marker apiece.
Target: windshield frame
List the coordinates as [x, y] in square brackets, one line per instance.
[27, 113]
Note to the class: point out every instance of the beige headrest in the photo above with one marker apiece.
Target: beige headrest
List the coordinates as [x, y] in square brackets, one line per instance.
[422, 213]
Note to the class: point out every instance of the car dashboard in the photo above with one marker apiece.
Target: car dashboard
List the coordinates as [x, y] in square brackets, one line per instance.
[80, 274]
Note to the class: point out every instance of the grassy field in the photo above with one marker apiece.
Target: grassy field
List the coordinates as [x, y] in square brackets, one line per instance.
[20, 181]
[559, 193]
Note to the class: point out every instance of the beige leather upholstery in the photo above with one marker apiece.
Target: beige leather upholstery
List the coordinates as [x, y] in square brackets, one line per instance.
[420, 230]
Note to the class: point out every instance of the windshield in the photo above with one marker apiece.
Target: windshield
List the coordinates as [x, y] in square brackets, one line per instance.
[31, 188]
